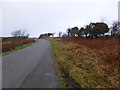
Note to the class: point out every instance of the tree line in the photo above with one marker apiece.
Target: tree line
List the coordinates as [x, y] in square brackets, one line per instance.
[19, 34]
[46, 35]
[91, 30]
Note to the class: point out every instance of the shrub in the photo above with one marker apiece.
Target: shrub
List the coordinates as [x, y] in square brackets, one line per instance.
[14, 44]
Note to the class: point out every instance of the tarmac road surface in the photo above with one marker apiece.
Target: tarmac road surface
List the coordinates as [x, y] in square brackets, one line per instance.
[31, 67]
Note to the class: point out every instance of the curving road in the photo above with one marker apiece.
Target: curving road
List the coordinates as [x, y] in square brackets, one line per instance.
[31, 67]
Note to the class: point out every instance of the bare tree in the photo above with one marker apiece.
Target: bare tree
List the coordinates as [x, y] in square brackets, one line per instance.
[14, 33]
[60, 34]
[115, 28]
[27, 35]
[19, 33]
[23, 33]
[68, 31]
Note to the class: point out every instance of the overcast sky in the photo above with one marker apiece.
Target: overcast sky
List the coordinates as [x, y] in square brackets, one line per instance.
[42, 16]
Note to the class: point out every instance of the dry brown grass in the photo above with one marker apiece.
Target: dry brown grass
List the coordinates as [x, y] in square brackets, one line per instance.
[10, 46]
[90, 62]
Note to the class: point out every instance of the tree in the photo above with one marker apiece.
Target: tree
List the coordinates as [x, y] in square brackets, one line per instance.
[74, 31]
[91, 26]
[27, 35]
[60, 34]
[115, 28]
[69, 31]
[19, 33]
[87, 30]
[101, 28]
[41, 36]
[46, 35]
[96, 29]
[14, 34]
[80, 32]
[23, 33]
[52, 34]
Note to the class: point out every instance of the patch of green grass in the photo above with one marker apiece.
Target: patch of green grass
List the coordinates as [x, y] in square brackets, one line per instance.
[55, 47]
[61, 86]
[68, 66]
[16, 49]
[56, 51]
[78, 77]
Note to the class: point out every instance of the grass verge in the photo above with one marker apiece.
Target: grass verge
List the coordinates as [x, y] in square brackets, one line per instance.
[80, 66]
[59, 55]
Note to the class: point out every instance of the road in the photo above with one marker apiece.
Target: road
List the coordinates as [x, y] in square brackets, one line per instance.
[31, 67]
